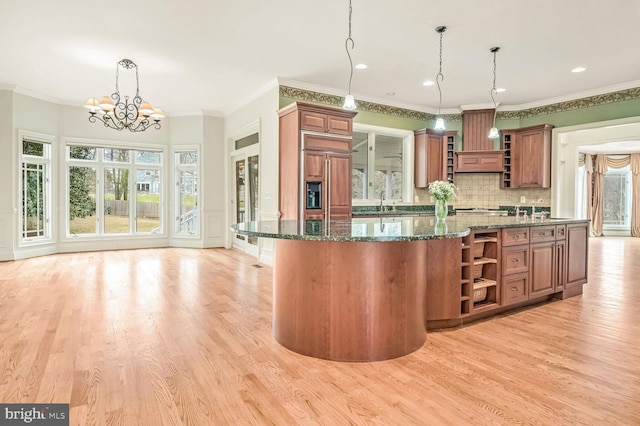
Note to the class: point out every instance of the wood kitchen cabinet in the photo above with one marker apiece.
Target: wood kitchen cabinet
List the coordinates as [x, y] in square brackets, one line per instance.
[433, 155]
[314, 162]
[527, 157]
[577, 251]
[326, 169]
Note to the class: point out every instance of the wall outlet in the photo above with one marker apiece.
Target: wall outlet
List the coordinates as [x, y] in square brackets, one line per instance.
[431, 199]
[523, 199]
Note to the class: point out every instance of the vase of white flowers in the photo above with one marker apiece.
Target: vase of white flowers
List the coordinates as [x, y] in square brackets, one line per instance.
[442, 192]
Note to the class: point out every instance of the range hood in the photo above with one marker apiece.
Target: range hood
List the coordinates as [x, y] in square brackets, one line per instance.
[478, 154]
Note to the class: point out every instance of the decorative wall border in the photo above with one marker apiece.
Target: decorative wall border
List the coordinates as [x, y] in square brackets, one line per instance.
[337, 101]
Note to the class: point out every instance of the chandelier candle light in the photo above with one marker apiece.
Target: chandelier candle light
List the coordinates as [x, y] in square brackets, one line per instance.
[349, 102]
[439, 78]
[118, 114]
[442, 192]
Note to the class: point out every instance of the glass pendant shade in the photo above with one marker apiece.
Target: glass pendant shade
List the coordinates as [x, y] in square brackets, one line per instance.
[439, 124]
[493, 133]
[349, 102]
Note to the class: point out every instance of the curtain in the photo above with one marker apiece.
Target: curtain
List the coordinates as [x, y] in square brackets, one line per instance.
[599, 170]
[588, 168]
[635, 195]
[617, 161]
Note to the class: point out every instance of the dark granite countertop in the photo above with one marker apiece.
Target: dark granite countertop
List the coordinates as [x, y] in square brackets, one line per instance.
[409, 228]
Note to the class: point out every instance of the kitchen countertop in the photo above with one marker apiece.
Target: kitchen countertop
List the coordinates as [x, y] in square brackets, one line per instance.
[382, 229]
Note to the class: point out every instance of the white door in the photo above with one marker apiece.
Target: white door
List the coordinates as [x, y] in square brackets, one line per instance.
[245, 195]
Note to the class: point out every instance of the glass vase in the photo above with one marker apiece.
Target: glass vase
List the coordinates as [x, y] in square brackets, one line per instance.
[441, 210]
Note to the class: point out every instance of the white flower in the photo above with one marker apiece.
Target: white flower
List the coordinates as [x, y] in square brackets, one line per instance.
[442, 190]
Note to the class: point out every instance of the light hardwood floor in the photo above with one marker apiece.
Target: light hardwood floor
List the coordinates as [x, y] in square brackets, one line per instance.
[183, 337]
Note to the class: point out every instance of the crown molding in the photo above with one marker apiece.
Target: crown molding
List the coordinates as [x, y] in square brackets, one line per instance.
[270, 85]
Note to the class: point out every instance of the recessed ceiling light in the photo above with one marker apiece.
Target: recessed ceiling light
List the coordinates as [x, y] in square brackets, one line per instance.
[361, 66]
[428, 83]
[578, 69]
[391, 93]
[500, 90]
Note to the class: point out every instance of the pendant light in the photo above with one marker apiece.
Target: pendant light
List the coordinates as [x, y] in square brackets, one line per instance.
[493, 133]
[349, 102]
[439, 78]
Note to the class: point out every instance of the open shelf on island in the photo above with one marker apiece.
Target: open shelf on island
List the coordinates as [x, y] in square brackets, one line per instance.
[482, 283]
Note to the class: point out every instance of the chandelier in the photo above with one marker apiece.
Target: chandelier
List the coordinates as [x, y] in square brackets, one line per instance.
[118, 113]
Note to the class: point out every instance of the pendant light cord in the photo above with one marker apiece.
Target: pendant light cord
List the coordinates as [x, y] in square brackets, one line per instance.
[440, 76]
[346, 47]
[494, 92]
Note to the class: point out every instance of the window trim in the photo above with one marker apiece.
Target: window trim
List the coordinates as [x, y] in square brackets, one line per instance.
[407, 161]
[175, 193]
[99, 164]
[47, 161]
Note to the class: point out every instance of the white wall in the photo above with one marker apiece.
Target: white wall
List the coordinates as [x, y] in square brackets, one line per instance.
[264, 110]
[566, 143]
[7, 176]
[214, 183]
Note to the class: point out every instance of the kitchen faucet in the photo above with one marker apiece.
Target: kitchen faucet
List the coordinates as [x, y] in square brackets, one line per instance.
[381, 200]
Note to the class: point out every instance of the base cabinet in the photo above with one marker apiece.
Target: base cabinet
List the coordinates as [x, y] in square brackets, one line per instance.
[493, 271]
[515, 288]
[542, 269]
[577, 247]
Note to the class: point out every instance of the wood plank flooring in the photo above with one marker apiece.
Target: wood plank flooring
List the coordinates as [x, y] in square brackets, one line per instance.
[183, 337]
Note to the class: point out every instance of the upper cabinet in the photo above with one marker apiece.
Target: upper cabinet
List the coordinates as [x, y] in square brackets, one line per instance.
[433, 156]
[527, 157]
[324, 122]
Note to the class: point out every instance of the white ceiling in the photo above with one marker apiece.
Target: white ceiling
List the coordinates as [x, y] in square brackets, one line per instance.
[213, 56]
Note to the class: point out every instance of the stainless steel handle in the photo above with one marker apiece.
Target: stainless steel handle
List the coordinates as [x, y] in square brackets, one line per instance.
[328, 180]
[514, 288]
[515, 260]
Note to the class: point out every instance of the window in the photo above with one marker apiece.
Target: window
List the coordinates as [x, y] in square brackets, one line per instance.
[617, 203]
[186, 203]
[35, 188]
[101, 196]
[379, 164]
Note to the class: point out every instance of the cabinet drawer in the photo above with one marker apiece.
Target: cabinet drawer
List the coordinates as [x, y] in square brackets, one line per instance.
[515, 259]
[515, 236]
[539, 234]
[561, 232]
[514, 288]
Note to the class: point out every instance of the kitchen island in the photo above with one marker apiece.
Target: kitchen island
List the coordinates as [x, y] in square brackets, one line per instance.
[367, 289]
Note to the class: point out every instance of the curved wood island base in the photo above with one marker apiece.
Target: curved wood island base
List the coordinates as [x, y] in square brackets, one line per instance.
[350, 301]
[368, 289]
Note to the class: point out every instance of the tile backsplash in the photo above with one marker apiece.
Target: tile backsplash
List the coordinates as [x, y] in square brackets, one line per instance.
[482, 190]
